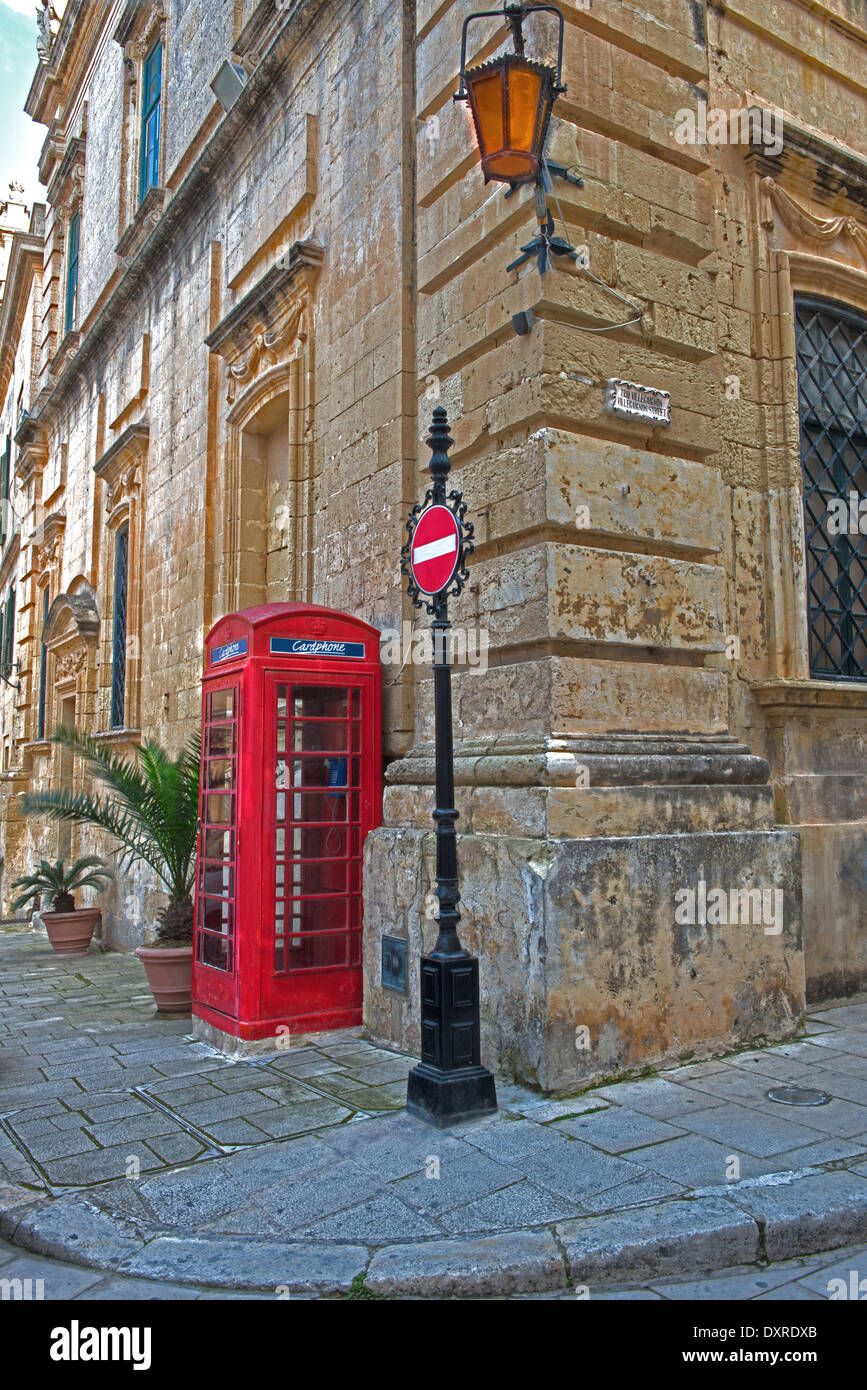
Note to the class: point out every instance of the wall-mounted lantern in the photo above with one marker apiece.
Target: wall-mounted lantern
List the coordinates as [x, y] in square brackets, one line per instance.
[511, 98]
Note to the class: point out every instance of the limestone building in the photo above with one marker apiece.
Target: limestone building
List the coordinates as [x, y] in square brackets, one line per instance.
[216, 382]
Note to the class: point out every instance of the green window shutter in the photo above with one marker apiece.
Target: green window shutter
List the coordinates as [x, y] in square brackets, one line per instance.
[72, 272]
[4, 491]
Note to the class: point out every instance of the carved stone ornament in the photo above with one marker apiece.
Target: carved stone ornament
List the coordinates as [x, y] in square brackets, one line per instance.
[265, 352]
[69, 664]
[804, 223]
[272, 322]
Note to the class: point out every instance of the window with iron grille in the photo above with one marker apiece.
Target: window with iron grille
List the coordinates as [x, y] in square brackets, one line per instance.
[118, 664]
[43, 672]
[149, 167]
[72, 272]
[832, 401]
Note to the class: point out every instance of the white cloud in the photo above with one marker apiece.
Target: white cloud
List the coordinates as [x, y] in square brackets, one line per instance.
[27, 7]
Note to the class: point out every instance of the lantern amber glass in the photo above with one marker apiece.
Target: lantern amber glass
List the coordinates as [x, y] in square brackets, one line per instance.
[511, 100]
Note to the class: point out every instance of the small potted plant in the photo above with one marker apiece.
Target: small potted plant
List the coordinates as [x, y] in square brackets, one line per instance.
[150, 807]
[69, 928]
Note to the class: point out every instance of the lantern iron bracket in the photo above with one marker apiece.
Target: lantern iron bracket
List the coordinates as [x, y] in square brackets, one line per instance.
[543, 246]
[514, 16]
[559, 171]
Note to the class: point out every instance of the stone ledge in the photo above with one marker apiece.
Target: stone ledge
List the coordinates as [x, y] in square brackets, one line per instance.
[811, 694]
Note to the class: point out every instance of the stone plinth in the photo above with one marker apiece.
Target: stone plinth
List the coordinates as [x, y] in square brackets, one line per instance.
[594, 958]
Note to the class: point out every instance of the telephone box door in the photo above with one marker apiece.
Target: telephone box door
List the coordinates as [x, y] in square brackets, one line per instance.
[216, 864]
[319, 803]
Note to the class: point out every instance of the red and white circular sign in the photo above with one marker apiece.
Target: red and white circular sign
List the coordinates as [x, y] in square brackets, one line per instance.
[435, 549]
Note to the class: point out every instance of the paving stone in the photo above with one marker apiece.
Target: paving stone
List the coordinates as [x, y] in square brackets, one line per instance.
[236, 1131]
[788, 1293]
[70, 1228]
[749, 1130]
[298, 1203]
[393, 1146]
[60, 1281]
[462, 1179]
[242, 1263]
[730, 1286]
[226, 1107]
[100, 1165]
[278, 1124]
[843, 1040]
[174, 1095]
[249, 1220]
[646, 1242]
[191, 1196]
[512, 1207]
[839, 1117]
[655, 1096]
[513, 1140]
[649, 1187]
[58, 1144]
[850, 1266]
[136, 1290]
[826, 1151]
[576, 1171]
[176, 1148]
[517, 1263]
[543, 1111]
[374, 1221]
[619, 1129]
[132, 1127]
[701, 1162]
[809, 1214]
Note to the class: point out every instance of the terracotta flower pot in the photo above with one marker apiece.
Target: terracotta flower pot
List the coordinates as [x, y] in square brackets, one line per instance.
[170, 976]
[70, 933]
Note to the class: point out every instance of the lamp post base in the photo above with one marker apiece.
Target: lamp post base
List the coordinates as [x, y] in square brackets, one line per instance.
[449, 1084]
[444, 1098]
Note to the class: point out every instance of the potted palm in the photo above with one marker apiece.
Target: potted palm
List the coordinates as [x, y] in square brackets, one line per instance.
[150, 807]
[70, 929]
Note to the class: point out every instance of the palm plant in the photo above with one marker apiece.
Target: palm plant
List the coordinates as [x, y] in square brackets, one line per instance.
[150, 806]
[58, 884]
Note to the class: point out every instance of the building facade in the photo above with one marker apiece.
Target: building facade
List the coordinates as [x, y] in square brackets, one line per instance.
[239, 324]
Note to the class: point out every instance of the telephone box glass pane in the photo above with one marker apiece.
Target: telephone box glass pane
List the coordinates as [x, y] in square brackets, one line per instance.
[316, 789]
[216, 868]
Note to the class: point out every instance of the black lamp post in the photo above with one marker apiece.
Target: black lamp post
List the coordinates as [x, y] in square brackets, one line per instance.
[449, 1084]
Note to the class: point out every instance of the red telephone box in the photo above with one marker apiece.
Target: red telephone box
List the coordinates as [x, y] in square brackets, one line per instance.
[291, 784]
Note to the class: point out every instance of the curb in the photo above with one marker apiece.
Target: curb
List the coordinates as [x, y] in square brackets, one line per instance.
[762, 1222]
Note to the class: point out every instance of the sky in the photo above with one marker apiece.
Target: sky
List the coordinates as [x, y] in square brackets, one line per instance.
[20, 138]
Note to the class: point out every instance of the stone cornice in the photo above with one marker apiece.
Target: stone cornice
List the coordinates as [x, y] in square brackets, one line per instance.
[25, 261]
[130, 445]
[146, 215]
[9, 562]
[271, 318]
[190, 194]
[73, 155]
[78, 32]
[81, 608]
[137, 19]
[835, 169]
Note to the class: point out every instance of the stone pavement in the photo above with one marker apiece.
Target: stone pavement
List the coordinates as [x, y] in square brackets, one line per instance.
[132, 1150]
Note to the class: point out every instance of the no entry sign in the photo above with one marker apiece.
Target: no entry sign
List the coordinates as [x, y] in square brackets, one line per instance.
[435, 549]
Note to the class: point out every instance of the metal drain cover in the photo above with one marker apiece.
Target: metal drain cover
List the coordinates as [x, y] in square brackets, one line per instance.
[797, 1095]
